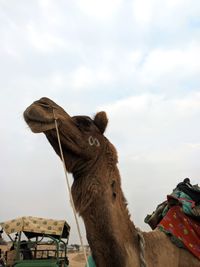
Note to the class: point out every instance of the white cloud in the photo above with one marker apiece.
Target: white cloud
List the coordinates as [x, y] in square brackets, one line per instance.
[165, 65]
[135, 56]
[12, 52]
[83, 78]
[44, 41]
[134, 104]
[153, 123]
[168, 15]
[193, 146]
[143, 11]
[44, 3]
[188, 106]
[57, 79]
[51, 13]
[100, 9]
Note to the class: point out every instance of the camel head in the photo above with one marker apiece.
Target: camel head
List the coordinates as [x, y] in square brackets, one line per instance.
[81, 137]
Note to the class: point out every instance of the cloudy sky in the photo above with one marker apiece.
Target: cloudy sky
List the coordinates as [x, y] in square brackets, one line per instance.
[139, 60]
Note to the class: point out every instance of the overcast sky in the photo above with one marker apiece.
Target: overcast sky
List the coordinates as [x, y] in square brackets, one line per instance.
[139, 60]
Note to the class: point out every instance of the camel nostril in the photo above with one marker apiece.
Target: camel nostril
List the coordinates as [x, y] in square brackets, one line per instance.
[32, 114]
[45, 105]
[114, 195]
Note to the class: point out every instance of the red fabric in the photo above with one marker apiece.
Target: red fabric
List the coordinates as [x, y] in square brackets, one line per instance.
[184, 228]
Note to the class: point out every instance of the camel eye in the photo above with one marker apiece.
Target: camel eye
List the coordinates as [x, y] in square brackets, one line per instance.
[87, 123]
[83, 123]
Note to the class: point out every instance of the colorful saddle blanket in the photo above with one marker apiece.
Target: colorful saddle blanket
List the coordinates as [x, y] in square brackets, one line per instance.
[183, 229]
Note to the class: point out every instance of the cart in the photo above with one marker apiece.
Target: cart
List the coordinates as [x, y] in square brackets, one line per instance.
[37, 242]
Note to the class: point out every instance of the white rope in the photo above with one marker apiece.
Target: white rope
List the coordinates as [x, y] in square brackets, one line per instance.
[69, 191]
[141, 248]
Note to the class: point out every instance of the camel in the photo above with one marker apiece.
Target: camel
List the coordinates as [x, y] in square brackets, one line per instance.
[97, 192]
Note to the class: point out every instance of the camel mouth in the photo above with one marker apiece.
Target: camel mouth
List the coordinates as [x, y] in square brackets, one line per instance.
[37, 119]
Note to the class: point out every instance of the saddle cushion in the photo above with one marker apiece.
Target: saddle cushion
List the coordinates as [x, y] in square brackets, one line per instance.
[182, 228]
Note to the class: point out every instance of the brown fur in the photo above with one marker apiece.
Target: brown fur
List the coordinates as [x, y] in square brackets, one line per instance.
[97, 192]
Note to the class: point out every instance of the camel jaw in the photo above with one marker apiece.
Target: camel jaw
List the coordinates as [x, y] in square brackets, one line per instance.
[39, 117]
[39, 127]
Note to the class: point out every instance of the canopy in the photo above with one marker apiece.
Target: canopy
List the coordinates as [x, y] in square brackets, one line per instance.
[33, 226]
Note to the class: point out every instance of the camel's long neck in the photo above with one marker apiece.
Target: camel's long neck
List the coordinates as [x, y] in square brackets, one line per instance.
[111, 235]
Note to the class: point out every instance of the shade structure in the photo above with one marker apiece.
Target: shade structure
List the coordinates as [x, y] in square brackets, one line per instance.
[34, 226]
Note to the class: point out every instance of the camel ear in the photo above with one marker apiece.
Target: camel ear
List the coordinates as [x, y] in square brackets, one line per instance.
[101, 121]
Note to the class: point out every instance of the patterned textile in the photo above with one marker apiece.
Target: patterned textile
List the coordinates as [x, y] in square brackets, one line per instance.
[183, 228]
[37, 225]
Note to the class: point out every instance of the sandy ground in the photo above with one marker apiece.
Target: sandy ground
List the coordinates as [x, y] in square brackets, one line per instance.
[76, 260]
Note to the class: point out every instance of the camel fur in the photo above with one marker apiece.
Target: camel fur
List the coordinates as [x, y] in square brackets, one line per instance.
[97, 193]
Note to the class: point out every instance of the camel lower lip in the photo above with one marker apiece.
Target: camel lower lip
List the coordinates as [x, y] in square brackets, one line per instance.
[38, 127]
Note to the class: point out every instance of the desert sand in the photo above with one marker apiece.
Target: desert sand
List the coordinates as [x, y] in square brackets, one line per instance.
[76, 260]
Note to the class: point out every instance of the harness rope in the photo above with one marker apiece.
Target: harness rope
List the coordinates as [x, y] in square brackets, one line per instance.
[69, 191]
[141, 248]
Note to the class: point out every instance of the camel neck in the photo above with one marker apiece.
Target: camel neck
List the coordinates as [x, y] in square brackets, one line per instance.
[102, 205]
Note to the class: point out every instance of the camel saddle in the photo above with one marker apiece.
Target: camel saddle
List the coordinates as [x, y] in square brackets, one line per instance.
[182, 230]
[184, 195]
